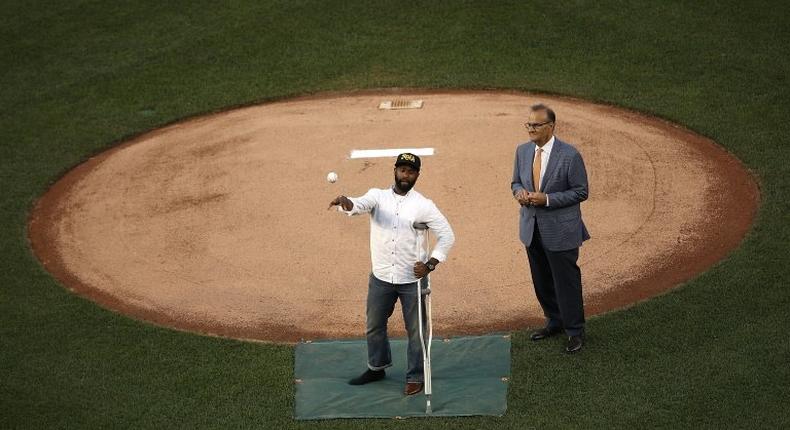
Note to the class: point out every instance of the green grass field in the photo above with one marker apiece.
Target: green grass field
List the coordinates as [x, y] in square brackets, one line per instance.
[80, 76]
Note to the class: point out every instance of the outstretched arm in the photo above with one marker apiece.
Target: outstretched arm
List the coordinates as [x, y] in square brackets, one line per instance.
[356, 205]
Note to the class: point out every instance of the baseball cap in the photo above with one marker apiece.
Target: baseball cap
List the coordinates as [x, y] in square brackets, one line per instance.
[408, 159]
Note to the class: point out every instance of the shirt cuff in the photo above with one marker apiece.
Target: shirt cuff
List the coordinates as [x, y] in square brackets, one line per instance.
[547, 200]
[354, 210]
[439, 255]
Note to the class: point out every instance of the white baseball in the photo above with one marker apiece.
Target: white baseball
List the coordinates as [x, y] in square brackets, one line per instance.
[331, 177]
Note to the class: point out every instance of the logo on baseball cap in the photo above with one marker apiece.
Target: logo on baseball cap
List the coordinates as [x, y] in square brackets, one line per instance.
[408, 159]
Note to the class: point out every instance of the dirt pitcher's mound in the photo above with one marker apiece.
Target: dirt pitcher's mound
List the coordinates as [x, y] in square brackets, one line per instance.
[219, 224]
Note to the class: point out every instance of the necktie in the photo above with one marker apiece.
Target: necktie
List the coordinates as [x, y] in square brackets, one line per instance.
[536, 169]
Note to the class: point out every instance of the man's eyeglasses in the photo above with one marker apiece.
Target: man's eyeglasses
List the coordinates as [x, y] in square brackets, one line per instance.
[534, 125]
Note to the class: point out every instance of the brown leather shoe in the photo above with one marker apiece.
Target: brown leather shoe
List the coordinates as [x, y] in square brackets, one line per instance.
[412, 388]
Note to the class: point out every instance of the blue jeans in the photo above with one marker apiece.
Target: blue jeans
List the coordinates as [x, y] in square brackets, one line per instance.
[381, 303]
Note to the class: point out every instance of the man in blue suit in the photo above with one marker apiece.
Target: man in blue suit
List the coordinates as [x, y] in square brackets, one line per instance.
[549, 182]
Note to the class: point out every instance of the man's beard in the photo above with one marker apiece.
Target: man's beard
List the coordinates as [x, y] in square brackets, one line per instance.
[403, 186]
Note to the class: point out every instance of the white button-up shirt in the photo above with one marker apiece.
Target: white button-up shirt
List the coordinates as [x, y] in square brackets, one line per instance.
[393, 240]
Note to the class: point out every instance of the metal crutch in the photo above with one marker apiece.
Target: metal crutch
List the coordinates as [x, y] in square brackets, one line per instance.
[426, 348]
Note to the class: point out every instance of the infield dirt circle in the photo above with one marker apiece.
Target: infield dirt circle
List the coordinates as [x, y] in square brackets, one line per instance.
[219, 224]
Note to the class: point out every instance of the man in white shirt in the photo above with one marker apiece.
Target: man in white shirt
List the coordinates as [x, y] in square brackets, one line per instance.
[398, 265]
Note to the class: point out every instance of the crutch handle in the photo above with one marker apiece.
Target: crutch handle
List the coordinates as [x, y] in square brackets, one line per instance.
[420, 226]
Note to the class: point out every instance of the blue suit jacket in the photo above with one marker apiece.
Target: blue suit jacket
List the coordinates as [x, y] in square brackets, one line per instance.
[565, 183]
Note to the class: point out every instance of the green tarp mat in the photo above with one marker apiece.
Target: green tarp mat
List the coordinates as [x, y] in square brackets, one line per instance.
[470, 377]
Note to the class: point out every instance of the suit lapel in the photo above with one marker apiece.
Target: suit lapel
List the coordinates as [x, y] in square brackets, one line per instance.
[554, 160]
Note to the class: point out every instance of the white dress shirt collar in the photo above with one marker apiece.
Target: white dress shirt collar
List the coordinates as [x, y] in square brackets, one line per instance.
[547, 147]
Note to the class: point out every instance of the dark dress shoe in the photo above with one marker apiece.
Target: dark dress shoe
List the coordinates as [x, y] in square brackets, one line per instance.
[412, 388]
[545, 332]
[368, 376]
[575, 344]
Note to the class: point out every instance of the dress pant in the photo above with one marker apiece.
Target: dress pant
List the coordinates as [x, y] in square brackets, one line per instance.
[558, 285]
